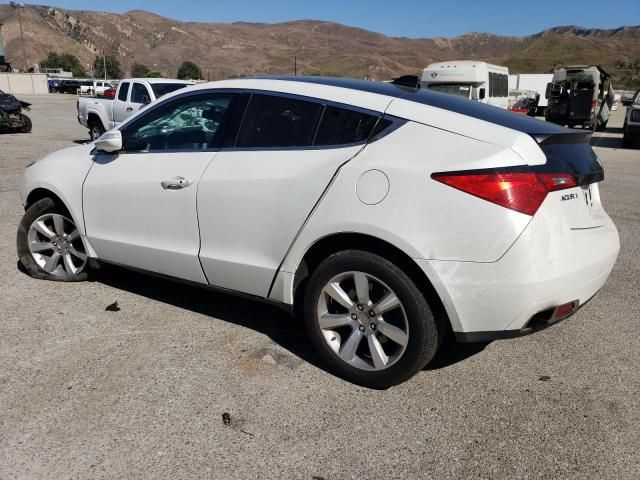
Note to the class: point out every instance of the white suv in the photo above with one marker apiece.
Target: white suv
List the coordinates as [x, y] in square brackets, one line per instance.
[385, 215]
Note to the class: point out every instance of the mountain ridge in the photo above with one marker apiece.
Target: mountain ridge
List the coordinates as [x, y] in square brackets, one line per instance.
[321, 47]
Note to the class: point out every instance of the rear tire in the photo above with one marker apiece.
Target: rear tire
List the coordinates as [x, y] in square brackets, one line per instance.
[380, 331]
[49, 244]
[96, 130]
[627, 142]
[26, 124]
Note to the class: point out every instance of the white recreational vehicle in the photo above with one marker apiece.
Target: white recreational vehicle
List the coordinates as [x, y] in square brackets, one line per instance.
[470, 79]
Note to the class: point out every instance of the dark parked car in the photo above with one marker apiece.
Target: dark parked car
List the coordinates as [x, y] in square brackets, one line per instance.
[527, 106]
[69, 86]
[54, 85]
[632, 121]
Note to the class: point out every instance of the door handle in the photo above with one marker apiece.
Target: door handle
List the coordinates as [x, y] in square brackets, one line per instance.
[129, 109]
[176, 183]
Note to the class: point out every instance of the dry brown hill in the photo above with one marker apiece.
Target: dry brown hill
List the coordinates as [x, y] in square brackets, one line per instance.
[223, 50]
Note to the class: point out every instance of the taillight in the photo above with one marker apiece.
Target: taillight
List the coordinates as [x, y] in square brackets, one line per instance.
[522, 191]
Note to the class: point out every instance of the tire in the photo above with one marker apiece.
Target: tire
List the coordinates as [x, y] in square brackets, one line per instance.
[627, 142]
[26, 124]
[48, 240]
[95, 130]
[603, 126]
[410, 322]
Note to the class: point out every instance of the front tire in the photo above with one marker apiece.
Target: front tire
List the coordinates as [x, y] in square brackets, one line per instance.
[368, 320]
[49, 244]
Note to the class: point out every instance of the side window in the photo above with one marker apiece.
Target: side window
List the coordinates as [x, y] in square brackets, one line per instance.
[189, 123]
[140, 94]
[340, 127]
[272, 121]
[124, 90]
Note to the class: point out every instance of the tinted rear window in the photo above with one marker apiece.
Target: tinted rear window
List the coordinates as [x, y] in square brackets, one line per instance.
[340, 127]
[160, 89]
[273, 122]
[122, 93]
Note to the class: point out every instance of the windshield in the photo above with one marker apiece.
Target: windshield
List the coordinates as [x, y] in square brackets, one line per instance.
[160, 89]
[457, 89]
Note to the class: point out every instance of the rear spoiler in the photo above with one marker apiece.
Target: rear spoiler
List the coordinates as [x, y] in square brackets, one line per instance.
[570, 153]
[564, 137]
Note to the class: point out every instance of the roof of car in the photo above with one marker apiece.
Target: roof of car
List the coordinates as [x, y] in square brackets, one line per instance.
[481, 111]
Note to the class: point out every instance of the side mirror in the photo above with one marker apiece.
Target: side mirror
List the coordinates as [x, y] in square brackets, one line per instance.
[482, 93]
[110, 142]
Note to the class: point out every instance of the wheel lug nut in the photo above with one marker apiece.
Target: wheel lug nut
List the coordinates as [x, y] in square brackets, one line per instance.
[372, 313]
[354, 316]
[373, 326]
[361, 328]
[360, 307]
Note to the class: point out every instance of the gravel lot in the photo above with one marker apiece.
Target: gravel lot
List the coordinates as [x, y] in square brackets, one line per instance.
[140, 393]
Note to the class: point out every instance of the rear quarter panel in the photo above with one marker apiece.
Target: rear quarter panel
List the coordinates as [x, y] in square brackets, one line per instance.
[422, 217]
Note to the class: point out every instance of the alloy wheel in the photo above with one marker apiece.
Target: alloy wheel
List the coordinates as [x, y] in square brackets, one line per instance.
[363, 321]
[55, 245]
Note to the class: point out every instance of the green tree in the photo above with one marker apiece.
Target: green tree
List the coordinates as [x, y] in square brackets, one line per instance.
[67, 61]
[189, 71]
[154, 74]
[114, 70]
[139, 70]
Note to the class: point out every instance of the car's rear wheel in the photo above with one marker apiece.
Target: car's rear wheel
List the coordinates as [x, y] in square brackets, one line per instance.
[49, 244]
[26, 124]
[96, 129]
[368, 319]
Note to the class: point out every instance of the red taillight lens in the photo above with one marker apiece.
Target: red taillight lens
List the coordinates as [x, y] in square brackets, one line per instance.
[523, 192]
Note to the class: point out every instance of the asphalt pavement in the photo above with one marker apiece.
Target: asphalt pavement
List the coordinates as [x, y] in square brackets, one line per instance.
[179, 382]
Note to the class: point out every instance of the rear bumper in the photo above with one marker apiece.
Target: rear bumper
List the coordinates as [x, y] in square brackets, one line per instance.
[548, 266]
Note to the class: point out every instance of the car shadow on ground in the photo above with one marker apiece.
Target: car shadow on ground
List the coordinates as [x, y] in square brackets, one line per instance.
[82, 142]
[274, 322]
[452, 352]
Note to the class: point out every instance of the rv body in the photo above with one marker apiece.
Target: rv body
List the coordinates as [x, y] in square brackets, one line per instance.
[469, 79]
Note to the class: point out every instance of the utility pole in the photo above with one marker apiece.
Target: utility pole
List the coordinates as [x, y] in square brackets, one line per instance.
[104, 63]
[18, 7]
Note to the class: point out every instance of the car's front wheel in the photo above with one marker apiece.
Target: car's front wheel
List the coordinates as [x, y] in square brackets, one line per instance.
[49, 244]
[368, 319]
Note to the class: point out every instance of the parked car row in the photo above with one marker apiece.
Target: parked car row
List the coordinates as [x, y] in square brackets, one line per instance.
[86, 87]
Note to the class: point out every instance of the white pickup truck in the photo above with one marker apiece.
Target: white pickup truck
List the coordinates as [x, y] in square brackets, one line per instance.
[102, 114]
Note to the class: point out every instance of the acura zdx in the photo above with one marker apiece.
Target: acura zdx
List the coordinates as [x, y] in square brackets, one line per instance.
[385, 215]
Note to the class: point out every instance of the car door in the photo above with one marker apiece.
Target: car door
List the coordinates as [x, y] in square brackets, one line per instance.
[254, 198]
[140, 203]
[120, 104]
